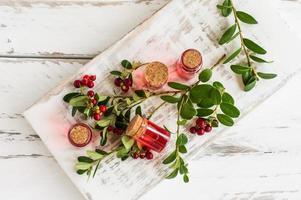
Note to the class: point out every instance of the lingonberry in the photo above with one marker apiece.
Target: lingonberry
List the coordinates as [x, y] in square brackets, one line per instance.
[90, 93]
[208, 128]
[77, 83]
[93, 101]
[200, 131]
[90, 84]
[84, 82]
[110, 128]
[97, 111]
[125, 88]
[86, 77]
[117, 131]
[192, 130]
[128, 82]
[97, 116]
[201, 122]
[149, 155]
[92, 77]
[142, 155]
[103, 108]
[117, 81]
[135, 155]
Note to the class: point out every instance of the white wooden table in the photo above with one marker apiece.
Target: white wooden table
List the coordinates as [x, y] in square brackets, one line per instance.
[42, 42]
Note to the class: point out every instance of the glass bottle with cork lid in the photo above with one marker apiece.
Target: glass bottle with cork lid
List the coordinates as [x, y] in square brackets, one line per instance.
[189, 63]
[147, 133]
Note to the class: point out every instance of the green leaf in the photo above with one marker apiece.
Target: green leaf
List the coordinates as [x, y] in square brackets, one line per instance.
[199, 92]
[170, 99]
[226, 11]
[178, 86]
[187, 111]
[222, 7]
[245, 17]
[219, 86]
[104, 136]
[94, 155]
[126, 64]
[127, 142]
[225, 120]
[140, 93]
[259, 60]
[216, 96]
[203, 112]
[185, 178]
[100, 98]
[182, 139]
[238, 69]
[226, 37]
[138, 111]
[83, 165]
[122, 153]
[116, 73]
[230, 110]
[80, 172]
[84, 159]
[266, 75]
[227, 98]
[247, 78]
[103, 122]
[182, 149]
[170, 158]
[71, 95]
[73, 112]
[205, 75]
[250, 85]
[79, 101]
[232, 56]
[182, 122]
[254, 46]
[173, 174]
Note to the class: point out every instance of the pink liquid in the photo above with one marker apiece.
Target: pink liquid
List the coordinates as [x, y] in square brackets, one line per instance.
[154, 137]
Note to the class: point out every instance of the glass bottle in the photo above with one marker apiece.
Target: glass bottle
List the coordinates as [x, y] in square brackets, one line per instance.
[189, 63]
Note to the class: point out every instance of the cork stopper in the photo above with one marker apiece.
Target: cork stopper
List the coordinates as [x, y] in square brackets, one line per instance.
[80, 135]
[156, 74]
[135, 126]
[192, 58]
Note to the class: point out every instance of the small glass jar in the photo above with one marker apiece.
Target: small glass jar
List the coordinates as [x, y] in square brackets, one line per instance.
[148, 134]
[80, 135]
[156, 74]
[189, 63]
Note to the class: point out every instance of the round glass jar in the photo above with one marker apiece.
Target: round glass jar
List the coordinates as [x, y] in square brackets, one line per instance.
[148, 134]
[189, 63]
[80, 135]
[156, 74]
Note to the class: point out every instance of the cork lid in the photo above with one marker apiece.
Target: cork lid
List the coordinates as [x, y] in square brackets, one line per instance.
[156, 74]
[135, 126]
[80, 135]
[192, 58]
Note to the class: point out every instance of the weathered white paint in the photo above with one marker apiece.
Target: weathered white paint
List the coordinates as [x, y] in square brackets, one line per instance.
[30, 172]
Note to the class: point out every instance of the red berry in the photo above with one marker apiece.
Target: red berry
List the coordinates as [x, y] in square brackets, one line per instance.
[128, 82]
[200, 131]
[97, 116]
[135, 155]
[92, 77]
[103, 108]
[110, 128]
[142, 155]
[201, 122]
[77, 83]
[208, 128]
[90, 93]
[93, 101]
[90, 84]
[84, 82]
[125, 88]
[117, 131]
[149, 155]
[86, 76]
[117, 81]
[192, 130]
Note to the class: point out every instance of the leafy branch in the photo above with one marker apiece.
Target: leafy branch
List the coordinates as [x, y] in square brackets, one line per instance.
[250, 49]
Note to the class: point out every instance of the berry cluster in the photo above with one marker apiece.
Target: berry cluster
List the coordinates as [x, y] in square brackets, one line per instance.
[201, 126]
[87, 80]
[142, 154]
[124, 84]
[115, 130]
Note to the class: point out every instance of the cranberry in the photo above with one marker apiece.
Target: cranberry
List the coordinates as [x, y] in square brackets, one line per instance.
[135, 155]
[200, 131]
[86, 77]
[77, 83]
[142, 155]
[149, 155]
[90, 93]
[92, 77]
[117, 131]
[192, 130]
[93, 101]
[110, 128]
[128, 82]
[103, 108]
[84, 82]
[125, 88]
[97, 116]
[90, 84]
[117, 81]
[201, 122]
[208, 128]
